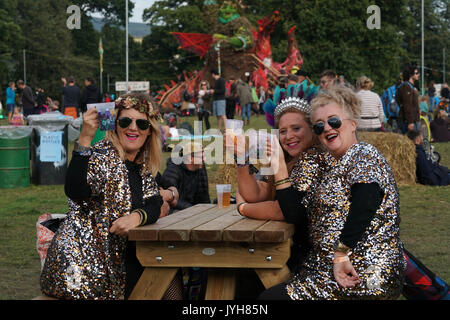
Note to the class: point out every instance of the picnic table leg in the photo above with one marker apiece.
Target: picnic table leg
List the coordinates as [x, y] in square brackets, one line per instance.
[272, 277]
[221, 284]
[153, 283]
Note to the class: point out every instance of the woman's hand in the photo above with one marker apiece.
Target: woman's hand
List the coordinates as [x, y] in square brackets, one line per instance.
[168, 196]
[122, 225]
[344, 273]
[235, 144]
[90, 126]
[277, 161]
[165, 208]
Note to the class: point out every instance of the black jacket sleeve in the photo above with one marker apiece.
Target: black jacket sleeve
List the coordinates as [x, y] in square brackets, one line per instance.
[170, 176]
[76, 186]
[289, 200]
[152, 207]
[365, 201]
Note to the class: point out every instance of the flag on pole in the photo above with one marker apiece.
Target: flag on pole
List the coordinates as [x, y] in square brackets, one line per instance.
[100, 51]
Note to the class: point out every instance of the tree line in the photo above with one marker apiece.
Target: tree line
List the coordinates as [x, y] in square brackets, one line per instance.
[330, 34]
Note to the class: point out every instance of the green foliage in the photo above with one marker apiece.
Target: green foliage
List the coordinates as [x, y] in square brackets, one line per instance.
[10, 38]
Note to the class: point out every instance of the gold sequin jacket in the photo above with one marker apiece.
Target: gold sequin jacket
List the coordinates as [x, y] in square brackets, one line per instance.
[86, 261]
[378, 257]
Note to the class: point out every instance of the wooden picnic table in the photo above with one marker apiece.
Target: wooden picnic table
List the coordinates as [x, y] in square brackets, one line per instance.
[215, 238]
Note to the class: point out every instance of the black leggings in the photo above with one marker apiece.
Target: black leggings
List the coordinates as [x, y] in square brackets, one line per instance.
[277, 292]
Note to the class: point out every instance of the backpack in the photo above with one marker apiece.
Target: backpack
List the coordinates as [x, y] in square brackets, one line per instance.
[390, 105]
[421, 283]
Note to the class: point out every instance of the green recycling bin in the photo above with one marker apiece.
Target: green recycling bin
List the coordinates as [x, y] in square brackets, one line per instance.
[14, 157]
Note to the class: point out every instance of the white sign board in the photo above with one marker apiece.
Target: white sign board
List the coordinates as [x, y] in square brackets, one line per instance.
[133, 86]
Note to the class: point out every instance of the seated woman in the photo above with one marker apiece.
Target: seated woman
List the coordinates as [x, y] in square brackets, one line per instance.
[255, 198]
[353, 213]
[111, 189]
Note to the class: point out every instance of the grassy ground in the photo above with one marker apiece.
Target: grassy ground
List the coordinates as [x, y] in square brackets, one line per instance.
[424, 228]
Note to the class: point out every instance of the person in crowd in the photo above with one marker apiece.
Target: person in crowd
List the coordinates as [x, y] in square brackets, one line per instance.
[445, 91]
[262, 100]
[111, 189]
[327, 79]
[408, 101]
[244, 93]
[28, 101]
[219, 103]
[255, 97]
[423, 106]
[353, 213]
[189, 177]
[372, 113]
[204, 103]
[91, 94]
[41, 100]
[10, 99]
[440, 127]
[71, 97]
[17, 117]
[230, 96]
[427, 172]
[256, 196]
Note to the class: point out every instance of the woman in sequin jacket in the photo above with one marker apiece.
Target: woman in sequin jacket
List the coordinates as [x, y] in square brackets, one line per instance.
[112, 189]
[256, 198]
[353, 213]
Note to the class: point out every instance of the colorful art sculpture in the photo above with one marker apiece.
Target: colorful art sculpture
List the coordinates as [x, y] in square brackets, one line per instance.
[234, 48]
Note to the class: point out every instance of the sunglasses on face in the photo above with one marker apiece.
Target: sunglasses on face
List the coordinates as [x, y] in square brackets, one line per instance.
[334, 122]
[142, 124]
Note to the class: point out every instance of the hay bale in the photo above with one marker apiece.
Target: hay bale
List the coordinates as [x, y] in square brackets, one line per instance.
[399, 151]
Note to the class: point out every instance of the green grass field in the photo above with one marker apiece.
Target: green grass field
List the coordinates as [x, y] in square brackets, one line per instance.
[425, 223]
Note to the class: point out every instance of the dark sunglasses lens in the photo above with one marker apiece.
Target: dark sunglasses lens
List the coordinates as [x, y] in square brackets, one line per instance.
[142, 124]
[318, 128]
[335, 123]
[124, 122]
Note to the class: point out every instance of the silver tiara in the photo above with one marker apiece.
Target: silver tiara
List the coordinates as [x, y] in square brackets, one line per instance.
[292, 102]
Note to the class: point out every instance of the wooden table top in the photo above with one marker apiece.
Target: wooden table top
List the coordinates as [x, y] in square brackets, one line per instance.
[207, 222]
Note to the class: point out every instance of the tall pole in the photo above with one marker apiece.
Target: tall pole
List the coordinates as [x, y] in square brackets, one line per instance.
[423, 50]
[443, 65]
[126, 45]
[24, 67]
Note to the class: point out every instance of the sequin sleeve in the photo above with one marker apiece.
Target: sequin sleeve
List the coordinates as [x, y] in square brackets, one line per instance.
[366, 166]
[97, 173]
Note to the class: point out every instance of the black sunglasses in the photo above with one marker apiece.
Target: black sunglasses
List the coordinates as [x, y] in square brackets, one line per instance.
[334, 122]
[142, 124]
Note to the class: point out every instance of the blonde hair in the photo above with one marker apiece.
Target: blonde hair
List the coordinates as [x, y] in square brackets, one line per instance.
[365, 83]
[342, 96]
[150, 152]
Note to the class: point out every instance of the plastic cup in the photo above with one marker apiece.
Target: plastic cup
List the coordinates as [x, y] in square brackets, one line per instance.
[223, 195]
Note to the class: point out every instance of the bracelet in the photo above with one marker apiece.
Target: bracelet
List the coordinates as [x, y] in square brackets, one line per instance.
[81, 150]
[239, 208]
[341, 259]
[143, 215]
[280, 182]
[173, 194]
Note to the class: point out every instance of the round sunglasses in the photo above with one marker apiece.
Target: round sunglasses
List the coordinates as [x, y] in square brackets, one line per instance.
[142, 124]
[334, 122]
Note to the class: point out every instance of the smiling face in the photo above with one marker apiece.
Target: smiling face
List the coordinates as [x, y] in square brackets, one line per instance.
[132, 138]
[335, 140]
[296, 135]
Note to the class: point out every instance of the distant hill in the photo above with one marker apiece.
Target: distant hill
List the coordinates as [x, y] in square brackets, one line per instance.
[135, 29]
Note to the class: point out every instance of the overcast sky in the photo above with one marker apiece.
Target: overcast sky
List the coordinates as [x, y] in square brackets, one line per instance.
[139, 6]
